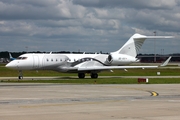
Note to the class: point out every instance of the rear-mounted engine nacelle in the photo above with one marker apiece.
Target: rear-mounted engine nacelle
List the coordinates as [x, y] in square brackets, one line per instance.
[119, 59]
[110, 58]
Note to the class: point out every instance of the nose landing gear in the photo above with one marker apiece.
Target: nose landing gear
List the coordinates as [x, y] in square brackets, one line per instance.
[20, 74]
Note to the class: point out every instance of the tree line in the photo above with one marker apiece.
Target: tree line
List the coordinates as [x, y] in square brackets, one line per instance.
[5, 54]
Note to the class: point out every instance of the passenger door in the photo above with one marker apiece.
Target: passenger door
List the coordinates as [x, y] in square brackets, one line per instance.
[35, 61]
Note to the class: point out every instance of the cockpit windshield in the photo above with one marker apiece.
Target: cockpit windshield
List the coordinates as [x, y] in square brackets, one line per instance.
[21, 58]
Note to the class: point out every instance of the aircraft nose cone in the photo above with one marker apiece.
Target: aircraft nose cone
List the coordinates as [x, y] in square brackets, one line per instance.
[7, 65]
[11, 65]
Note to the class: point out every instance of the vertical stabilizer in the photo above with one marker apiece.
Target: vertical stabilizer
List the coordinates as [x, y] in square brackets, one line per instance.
[133, 45]
[10, 57]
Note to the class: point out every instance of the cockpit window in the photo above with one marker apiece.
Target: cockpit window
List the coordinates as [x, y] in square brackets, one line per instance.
[21, 58]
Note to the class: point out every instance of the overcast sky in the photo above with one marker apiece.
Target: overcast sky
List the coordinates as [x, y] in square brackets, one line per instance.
[87, 25]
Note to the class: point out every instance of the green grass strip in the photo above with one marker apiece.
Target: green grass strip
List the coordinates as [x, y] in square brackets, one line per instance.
[101, 81]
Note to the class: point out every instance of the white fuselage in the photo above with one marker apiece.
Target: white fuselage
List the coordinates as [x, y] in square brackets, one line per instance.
[64, 62]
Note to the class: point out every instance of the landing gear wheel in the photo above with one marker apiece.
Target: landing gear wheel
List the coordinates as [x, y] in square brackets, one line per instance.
[20, 77]
[94, 75]
[81, 75]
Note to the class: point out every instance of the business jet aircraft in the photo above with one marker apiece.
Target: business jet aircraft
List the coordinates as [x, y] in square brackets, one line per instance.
[84, 63]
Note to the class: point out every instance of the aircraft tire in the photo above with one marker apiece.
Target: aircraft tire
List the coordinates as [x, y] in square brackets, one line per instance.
[81, 75]
[20, 77]
[94, 75]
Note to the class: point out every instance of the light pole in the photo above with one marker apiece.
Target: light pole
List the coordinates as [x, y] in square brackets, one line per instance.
[26, 49]
[163, 51]
[154, 47]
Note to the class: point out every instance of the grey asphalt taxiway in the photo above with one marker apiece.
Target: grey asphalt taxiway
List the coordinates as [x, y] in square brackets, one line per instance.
[31, 101]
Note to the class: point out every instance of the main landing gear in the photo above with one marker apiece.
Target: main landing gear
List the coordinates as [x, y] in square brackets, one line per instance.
[82, 75]
[94, 75]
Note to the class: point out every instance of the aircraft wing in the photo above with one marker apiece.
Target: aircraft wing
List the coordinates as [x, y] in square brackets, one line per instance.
[94, 66]
[101, 68]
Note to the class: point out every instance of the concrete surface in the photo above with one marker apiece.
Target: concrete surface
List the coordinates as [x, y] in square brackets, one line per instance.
[23, 101]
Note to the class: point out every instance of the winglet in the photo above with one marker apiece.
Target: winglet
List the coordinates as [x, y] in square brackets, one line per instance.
[166, 62]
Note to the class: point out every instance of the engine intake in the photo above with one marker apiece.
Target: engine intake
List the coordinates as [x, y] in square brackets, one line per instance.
[109, 59]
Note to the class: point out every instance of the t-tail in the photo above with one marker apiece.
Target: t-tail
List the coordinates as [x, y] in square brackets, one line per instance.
[134, 44]
[131, 48]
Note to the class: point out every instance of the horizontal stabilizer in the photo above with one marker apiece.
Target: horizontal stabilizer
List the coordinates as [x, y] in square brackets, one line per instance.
[152, 37]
